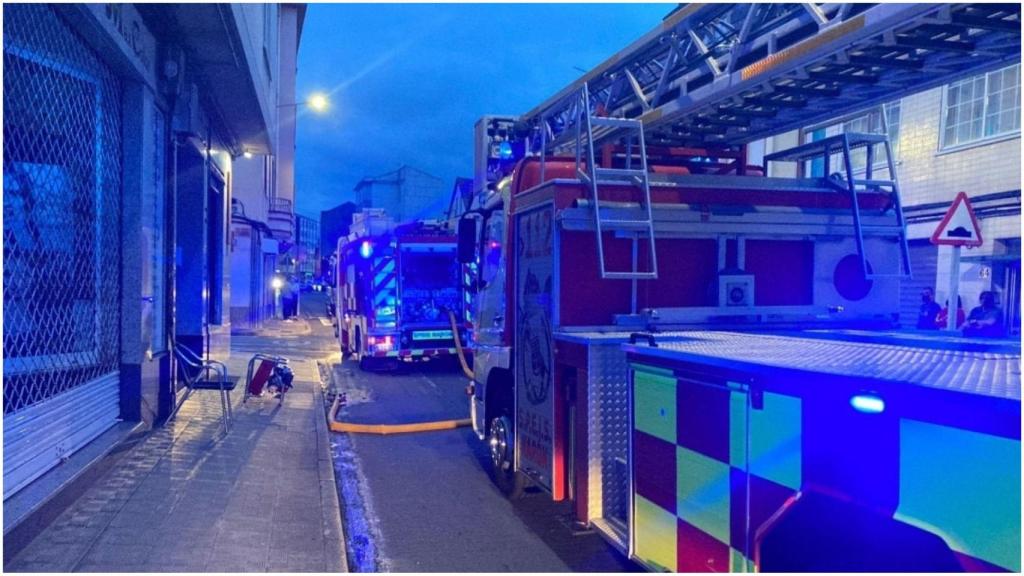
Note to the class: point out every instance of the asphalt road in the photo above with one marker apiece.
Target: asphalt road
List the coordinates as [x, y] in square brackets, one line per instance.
[424, 502]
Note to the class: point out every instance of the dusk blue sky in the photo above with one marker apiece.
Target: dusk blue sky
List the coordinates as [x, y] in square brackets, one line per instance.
[408, 82]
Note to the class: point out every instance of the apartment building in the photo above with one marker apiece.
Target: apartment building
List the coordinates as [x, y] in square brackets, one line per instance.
[123, 124]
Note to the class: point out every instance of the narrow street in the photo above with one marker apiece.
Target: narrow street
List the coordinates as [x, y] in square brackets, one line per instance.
[424, 502]
[740, 283]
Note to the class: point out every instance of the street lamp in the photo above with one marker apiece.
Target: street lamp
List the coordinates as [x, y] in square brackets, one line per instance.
[317, 101]
[277, 283]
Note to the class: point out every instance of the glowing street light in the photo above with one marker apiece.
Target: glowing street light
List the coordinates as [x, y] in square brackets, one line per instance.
[277, 283]
[317, 101]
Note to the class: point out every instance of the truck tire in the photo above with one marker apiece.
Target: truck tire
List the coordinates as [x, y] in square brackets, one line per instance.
[501, 442]
[367, 364]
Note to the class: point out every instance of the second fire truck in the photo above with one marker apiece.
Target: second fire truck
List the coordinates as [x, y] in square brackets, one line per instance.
[396, 286]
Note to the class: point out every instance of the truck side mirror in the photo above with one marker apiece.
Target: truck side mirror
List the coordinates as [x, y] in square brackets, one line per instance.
[467, 240]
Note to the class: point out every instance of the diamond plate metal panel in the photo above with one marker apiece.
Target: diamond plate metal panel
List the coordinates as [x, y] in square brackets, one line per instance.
[981, 373]
[608, 487]
[62, 142]
[608, 429]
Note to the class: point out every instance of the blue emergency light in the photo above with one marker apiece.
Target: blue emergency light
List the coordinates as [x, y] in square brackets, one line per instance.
[868, 404]
[366, 249]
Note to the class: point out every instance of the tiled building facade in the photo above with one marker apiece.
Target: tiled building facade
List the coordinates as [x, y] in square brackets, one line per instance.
[961, 137]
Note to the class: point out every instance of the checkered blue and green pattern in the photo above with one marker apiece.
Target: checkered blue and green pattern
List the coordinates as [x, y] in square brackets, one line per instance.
[694, 463]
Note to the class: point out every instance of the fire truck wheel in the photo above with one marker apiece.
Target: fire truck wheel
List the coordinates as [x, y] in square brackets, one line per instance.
[501, 444]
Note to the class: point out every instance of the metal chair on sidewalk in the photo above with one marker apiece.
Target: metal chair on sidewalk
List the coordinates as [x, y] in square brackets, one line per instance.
[273, 371]
[197, 374]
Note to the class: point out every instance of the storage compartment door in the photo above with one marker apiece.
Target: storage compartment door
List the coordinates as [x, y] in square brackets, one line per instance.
[710, 463]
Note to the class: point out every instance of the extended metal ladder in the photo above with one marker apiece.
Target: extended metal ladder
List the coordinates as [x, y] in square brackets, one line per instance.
[594, 176]
[844, 144]
[728, 74]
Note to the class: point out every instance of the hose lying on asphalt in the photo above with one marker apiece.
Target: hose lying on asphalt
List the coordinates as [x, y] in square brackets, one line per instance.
[458, 346]
[385, 429]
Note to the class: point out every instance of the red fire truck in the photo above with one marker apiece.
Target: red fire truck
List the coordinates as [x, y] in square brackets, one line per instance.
[396, 285]
[699, 351]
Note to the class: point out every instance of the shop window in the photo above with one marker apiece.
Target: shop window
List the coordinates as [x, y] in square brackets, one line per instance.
[62, 204]
[982, 107]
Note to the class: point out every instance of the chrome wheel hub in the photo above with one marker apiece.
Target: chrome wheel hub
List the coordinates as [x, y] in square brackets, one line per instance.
[499, 441]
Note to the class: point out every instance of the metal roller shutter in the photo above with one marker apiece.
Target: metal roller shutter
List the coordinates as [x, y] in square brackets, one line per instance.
[62, 191]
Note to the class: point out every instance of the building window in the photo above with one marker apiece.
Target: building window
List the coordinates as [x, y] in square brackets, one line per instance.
[982, 107]
[269, 41]
[872, 122]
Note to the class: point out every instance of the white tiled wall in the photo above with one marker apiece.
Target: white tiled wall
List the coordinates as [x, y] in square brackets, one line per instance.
[927, 174]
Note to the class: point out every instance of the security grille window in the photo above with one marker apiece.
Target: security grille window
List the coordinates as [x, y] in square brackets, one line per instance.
[982, 107]
[61, 210]
[154, 279]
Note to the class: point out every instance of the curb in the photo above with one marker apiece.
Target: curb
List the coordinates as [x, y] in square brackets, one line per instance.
[334, 537]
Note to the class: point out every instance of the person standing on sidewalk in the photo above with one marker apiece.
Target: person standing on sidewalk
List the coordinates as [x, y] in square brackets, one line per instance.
[929, 311]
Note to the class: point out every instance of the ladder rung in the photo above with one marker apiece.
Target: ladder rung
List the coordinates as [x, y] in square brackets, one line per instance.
[619, 172]
[888, 276]
[874, 183]
[612, 222]
[631, 275]
[614, 122]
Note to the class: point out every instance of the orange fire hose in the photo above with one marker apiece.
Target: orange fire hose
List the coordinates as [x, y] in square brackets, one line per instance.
[385, 429]
[458, 346]
[338, 426]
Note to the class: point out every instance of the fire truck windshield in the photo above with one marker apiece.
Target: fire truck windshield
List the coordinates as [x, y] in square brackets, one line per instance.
[429, 284]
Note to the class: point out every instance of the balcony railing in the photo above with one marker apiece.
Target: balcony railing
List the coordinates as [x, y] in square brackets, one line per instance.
[280, 205]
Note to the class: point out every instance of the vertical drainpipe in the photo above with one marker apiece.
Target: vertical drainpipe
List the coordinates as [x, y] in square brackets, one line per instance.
[171, 251]
[206, 236]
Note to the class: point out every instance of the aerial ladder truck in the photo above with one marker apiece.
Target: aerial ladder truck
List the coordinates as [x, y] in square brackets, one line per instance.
[699, 354]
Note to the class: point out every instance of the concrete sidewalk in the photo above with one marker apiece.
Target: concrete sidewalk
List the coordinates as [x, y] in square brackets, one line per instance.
[189, 499]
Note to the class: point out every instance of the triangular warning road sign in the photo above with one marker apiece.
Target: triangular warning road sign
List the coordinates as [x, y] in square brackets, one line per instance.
[959, 227]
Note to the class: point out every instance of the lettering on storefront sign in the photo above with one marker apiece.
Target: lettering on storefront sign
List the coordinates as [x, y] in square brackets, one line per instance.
[123, 21]
[129, 28]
